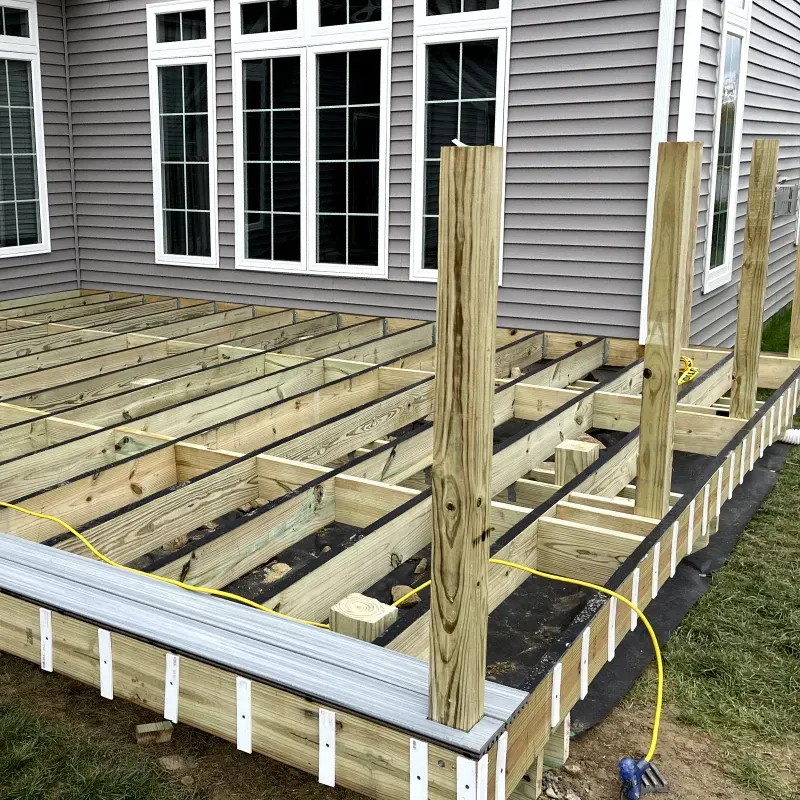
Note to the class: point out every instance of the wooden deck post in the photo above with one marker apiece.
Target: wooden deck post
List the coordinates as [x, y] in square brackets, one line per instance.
[469, 246]
[794, 331]
[690, 253]
[674, 232]
[753, 288]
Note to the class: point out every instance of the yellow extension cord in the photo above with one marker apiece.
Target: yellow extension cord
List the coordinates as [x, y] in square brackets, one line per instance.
[239, 599]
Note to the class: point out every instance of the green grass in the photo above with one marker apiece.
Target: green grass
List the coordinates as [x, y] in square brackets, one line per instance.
[43, 761]
[733, 667]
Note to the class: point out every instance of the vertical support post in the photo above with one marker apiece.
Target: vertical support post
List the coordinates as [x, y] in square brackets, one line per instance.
[794, 331]
[470, 192]
[556, 751]
[573, 457]
[674, 232]
[753, 287]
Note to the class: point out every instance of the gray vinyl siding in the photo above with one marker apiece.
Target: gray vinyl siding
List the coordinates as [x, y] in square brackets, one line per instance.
[580, 105]
[772, 110]
[49, 272]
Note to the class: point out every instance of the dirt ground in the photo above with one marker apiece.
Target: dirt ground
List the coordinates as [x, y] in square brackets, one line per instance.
[215, 770]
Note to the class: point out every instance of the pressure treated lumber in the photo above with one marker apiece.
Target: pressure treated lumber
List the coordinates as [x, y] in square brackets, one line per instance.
[794, 331]
[469, 256]
[556, 752]
[753, 287]
[674, 232]
[361, 617]
[573, 457]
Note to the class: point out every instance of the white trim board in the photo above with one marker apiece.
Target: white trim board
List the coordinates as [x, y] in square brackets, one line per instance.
[661, 102]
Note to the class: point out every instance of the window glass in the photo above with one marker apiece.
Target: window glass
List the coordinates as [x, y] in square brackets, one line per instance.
[181, 26]
[348, 12]
[460, 100]
[437, 7]
[183, 117]
[725, 193]
[348, 140]
[269, 17]
[14, 22]
[272, 158]
[19, 185]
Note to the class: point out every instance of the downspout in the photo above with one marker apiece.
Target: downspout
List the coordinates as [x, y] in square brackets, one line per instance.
[71, 146]
[661, 101]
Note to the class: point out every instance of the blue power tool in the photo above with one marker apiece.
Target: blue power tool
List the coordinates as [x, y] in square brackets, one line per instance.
[639, 778]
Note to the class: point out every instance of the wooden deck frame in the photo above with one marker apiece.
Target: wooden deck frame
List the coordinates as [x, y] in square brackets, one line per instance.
[327, 423]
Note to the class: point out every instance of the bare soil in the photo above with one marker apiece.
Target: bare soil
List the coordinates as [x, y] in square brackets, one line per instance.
[215, 770]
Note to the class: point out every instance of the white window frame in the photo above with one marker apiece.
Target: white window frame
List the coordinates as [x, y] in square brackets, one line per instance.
[736, 22]
[447, 33]
[467, 21]
[19, 48]
[311, 41]
[309, 32]
[172, 54]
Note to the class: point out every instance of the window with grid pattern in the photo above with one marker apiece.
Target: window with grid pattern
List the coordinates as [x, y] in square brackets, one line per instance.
[181, 26]
[348, 12]
[272, 158]
[20, 222]
[460, 104]
[183, 118]
[348, 169]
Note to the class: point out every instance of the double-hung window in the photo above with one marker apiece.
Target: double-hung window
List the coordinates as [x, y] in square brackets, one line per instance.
[24, 219]
[311, 105]
[181, 51]
[460, 79]
[726, 154]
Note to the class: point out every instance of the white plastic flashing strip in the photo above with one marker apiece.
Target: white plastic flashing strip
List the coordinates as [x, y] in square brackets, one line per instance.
[706, 497]
[466, 779]
[635, 598]
[327, 747]
[753, 448]
[731, 466]
[46, 639]
[106, 664]
[418, 769]
[172, 687]
[555, 696]
[743, 461]
[244, 715]
[483, 778]
[656, 569]
[500, 768]
[763, 445]
[585, 640]
[772, 422]
[673, 556]
[612, 628]
[720, 474]
[690, 528]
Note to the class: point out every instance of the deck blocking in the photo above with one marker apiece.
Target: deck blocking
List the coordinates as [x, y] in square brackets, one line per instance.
[202, 441]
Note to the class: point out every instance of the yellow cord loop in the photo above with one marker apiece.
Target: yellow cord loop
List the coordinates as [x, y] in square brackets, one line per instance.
[188, 586]
[688, 371]
[611, 593]
[239, 599]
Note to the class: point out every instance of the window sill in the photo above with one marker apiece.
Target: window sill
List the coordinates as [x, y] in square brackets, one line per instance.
[25, 250]
[187, 261]
[716, 278]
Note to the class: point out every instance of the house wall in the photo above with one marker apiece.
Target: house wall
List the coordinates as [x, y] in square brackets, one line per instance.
[580, 104]
[772, 110]
[49, 272]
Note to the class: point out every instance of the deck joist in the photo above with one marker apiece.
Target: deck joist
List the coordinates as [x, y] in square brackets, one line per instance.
[149, 423]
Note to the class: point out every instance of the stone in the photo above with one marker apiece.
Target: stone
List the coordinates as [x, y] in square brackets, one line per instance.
[174, 763]
[572, 796]
[421, 567]
[572, 769]
[399, 591]
[274, 572]
[187, 780]
[246, 508]
[208, 526]
[552, 793]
